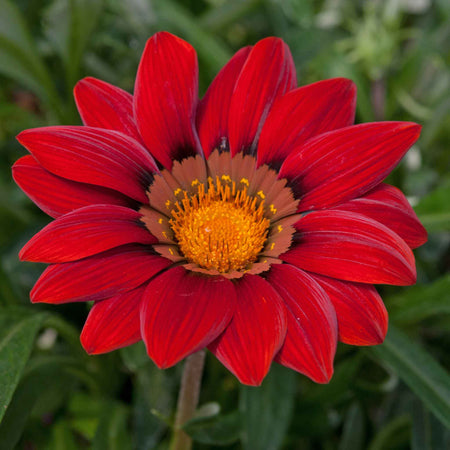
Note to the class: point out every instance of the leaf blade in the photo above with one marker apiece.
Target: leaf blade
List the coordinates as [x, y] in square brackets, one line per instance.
[16, 342]
[424, 376]
[266, 411]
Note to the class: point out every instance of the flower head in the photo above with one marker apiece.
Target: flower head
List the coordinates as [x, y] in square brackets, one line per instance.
[253, 222]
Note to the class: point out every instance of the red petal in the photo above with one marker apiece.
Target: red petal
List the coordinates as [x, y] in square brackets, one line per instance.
[387, 205]
[165, 98]
[86, 232]
[92, 155]
[98, 277]
[361, 314]
[304, 113]
[346, 163]
[113, 323]
[57, 196]
[106, 106]
[212, 112]
[311, 337]
[255, 334]
[268, 73]
[351, 247]
[182, 312]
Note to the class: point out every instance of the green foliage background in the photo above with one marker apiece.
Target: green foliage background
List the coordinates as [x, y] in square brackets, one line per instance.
[394, 396]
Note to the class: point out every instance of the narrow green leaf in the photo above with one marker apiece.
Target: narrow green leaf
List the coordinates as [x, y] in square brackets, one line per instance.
[19, 57]
[212, 51]
[62, 437]
[17, 333]
[112, 431]
[84, 412]
[134, 356]
[35, 394]
[421, 301]
[343, 379]
[353, 432]
[427, 433]
[217, 430]
[434, 209]
[392, 435]
[424, 376]
[227, 13]
[434, 222]
[266, 411]
[68, 26]
[153, 397]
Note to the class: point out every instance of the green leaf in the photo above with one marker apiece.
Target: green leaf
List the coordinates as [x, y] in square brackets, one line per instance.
[217, 430]
[427, 433]
[353, 433]
[393, 435]
[227, 14]
[69, 25]
[266, 411]
[62, 437]
[134, 356]
[343, 379]
[213, 52]
[112, 431]
[34, 395]
[434, 209]
[421, 302]
[153, 398]
[84, 412]
[17, 333]
[19, 57]
[424, 376]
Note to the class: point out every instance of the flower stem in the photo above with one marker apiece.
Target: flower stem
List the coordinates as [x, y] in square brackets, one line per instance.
[187, 399]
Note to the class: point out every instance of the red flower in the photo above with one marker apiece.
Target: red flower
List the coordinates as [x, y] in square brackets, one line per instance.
[254, 222]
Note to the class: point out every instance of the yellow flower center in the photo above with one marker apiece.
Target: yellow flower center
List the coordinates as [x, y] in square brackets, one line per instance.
[220, 228]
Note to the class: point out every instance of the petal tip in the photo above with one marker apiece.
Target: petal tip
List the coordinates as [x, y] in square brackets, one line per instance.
[322, 374]
[412, 127]
[20, 137]
[23, 253]
[89, 347]
[326, 376]
[422, 236]
[80, 85]
[162, 362]
[25, 137]
[251, 382]
[250, 379]
[38, 296]
[35, 298]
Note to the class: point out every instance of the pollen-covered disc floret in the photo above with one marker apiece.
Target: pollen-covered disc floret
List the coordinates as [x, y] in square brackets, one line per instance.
[222, 217]
[220, 227]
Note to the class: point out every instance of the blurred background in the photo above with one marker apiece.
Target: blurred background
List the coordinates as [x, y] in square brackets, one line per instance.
[394, 396]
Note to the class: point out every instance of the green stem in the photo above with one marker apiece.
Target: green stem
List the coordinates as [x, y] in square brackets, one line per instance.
[187, 399]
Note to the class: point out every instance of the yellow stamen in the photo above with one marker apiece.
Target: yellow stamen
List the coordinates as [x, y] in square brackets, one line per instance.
[220, 227]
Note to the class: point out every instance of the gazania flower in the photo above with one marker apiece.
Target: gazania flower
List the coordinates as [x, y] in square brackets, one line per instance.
[253, 222]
